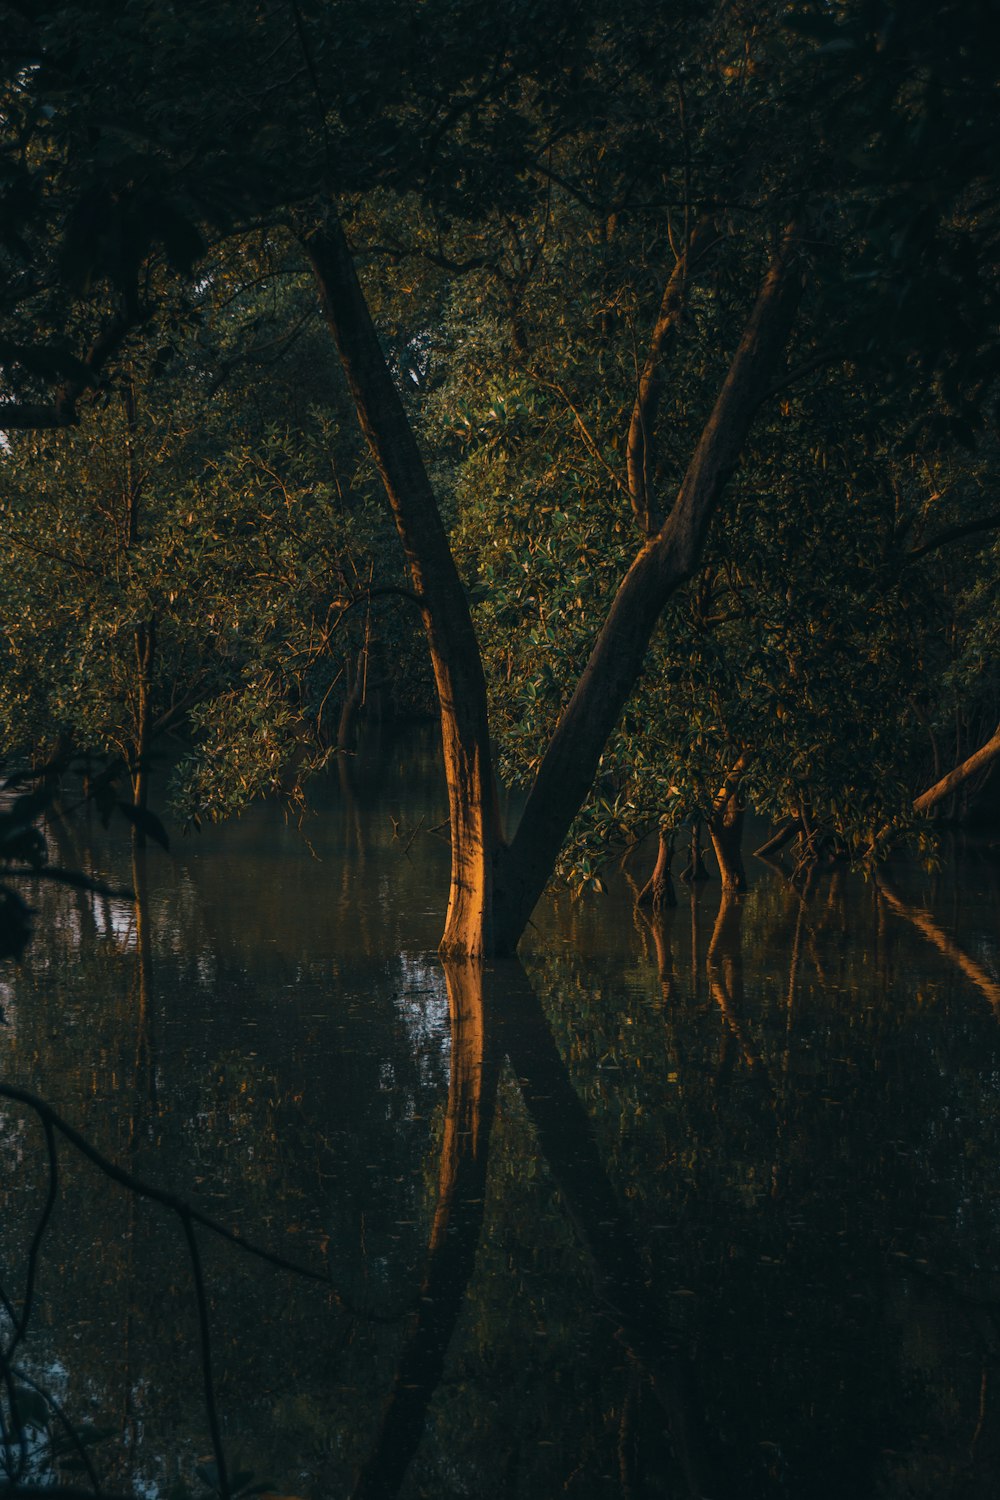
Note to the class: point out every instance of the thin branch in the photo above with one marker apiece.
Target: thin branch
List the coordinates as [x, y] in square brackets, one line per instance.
[954, 534]
[180, 1206]
[640, 444]
[148, 1190]
[62, 410]
[438, 258]
[589, 440]
[15, 539]
[807, 367]
[256, 355]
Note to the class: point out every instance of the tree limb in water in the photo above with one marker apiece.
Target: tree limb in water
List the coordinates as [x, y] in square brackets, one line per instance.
[976, 762]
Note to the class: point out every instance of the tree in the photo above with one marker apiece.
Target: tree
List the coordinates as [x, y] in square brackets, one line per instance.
[744, 168]
[212, 576]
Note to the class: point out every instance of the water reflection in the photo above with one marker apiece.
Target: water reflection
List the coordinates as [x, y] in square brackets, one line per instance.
[454, 1236]
[695, 1205]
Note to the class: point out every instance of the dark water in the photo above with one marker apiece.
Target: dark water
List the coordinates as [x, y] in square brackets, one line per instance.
[710, 1208]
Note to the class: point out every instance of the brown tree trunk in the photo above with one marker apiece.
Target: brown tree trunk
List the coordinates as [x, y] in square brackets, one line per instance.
[494, 889]
[779, 838]
[694, 870]
[978, 761]
[347, 723]
[451, 639]
[726, 831]
[659, 892]
[668, 560]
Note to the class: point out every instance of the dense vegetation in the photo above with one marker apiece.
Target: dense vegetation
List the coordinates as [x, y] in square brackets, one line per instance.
[619, 385]
[672, 338]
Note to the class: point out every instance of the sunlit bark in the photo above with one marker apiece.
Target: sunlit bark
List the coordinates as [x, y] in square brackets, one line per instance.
[494, 889]
[726, 831]
[451, 639]
[978, 761]
[658, 892]
[572, 756]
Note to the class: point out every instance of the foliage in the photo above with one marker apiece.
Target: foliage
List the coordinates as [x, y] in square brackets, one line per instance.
[516, 210]
[239, 538]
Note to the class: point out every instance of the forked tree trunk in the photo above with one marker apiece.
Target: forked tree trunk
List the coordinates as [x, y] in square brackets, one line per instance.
[494, 888]
[640, 446]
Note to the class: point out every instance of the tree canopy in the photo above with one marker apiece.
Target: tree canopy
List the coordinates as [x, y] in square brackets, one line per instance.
[671, 336]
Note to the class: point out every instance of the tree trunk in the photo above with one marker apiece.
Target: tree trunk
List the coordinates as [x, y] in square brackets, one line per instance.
[978, 761]
[695, 869]
[145, 655]
[451, 639]
[659, 892]
[726, 830]
[494, 889]
[668, 560]
[640, 450]
[347, 723]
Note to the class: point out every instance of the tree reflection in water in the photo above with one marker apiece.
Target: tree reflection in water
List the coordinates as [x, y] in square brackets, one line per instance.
[717, 1221]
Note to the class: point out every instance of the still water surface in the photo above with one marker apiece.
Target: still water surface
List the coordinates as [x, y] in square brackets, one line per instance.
[709, 1207]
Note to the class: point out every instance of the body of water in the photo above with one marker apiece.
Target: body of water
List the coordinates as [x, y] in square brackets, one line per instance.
[707, 1206]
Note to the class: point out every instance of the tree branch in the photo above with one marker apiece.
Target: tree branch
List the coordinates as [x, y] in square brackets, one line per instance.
[639, 447]
[668, 560]
[975, 762]
[954, 534]
[16, 415]
[142, 1189]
